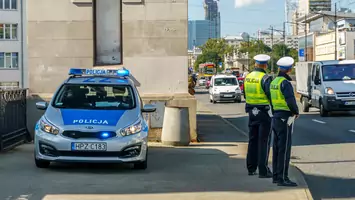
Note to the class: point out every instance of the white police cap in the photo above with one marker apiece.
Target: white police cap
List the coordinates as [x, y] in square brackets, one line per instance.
[285, 62]
[261, 59]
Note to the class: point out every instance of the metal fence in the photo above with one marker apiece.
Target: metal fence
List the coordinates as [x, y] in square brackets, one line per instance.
[13, 128]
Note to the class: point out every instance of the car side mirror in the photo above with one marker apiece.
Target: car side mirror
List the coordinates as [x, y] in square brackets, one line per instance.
[42, 105]
[148, 108]
[317, 81]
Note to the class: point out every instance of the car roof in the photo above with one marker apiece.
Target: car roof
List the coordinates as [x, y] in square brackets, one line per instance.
[223, 76]
[337, 62]
[99, 80]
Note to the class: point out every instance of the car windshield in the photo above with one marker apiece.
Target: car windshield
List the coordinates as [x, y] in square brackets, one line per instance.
[98, 97]
[339, 72]
[225, 81]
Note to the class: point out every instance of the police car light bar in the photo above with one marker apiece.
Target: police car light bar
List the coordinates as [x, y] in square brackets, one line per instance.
[110, 72]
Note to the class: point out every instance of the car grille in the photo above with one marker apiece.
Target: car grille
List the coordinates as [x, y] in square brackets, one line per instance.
[227, 93]
[79, 134]
[346, 94]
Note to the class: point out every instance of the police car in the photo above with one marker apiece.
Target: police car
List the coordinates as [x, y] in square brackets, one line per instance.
[94, 116]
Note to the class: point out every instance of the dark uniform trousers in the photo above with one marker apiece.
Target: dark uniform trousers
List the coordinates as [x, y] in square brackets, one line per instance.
[281, 148]
[259, 141]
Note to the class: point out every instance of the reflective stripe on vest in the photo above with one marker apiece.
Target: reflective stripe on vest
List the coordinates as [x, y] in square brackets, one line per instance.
[277, 98]
[254, 93]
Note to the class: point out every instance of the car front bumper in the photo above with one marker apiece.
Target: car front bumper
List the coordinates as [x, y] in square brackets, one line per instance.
[227, 97]
[57, 148]
[332, 104]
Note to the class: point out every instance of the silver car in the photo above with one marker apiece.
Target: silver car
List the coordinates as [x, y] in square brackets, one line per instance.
[94, 116]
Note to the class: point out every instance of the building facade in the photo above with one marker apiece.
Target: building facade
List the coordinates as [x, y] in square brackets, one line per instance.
[199, 31]
[147, 37]
[305, 7]
[291, 40]
[234, 40]
[13, 62]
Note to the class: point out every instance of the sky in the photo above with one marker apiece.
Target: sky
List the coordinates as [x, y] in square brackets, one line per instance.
[249, 16]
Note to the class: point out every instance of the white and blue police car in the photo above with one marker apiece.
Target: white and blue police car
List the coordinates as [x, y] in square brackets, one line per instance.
[96, 115]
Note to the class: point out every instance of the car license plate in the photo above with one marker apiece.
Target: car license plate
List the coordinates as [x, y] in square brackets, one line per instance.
[89, 146]
[349, 103]
[228, 95]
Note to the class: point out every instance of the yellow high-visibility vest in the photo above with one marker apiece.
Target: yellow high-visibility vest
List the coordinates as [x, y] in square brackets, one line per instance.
[254, 93]
[277, 98]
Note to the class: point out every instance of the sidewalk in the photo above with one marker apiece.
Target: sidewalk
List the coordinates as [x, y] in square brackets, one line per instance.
[211, 170]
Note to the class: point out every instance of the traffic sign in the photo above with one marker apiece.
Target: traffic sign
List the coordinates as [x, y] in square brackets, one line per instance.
[301, 53]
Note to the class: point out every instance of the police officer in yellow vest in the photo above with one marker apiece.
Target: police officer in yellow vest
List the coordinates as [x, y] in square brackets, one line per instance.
[285, 111]
[257, 97]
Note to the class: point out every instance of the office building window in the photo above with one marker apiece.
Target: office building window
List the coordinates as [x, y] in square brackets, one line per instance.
[9, 85]
[9, 60]
[8, 31]
[2, 28]
[107, 32]
[14, 31]
[8, 4]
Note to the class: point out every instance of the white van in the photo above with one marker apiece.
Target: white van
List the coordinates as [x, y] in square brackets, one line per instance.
[327, 85]
[224, 88]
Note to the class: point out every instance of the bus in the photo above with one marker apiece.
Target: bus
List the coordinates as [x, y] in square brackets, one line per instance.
[207, 69]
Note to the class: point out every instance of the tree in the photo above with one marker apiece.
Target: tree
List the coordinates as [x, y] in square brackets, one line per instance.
[213, 51]
[254, 47]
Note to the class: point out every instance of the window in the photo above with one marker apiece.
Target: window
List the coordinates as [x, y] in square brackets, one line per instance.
[8, 31]
[338, 72]
[8, 4]
[14, 32]
[9, 60]
[107, 32]
[225, 81]
[95, 97]
[1, 29]
[9, 85]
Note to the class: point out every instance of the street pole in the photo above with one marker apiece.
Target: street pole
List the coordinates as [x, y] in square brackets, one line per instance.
[305, 37]
[284, 37]
[336, 35]
[272, 44]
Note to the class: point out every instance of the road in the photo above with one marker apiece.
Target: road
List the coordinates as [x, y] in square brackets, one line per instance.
[323, 148]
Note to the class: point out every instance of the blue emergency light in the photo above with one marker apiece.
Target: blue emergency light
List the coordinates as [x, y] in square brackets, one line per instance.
[109, 72]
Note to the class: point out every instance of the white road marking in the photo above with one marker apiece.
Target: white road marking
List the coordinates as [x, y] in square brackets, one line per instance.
[318, 121]
[353, 131]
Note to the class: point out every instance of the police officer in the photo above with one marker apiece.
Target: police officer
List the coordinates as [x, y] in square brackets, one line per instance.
[257, 96]
[284, 105]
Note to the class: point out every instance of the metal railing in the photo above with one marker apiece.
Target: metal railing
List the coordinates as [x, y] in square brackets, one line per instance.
[13, 126]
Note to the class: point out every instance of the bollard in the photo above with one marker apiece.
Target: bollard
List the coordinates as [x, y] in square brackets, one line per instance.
[176, 126]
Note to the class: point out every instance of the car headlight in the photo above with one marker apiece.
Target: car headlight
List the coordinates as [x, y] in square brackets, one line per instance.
[132, 129]
[47, 127]
[329, 91]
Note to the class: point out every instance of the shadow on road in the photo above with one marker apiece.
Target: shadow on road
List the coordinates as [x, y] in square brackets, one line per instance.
[331, 187]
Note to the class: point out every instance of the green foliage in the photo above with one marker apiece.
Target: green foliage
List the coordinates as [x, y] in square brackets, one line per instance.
[213, 51]
[258, 47]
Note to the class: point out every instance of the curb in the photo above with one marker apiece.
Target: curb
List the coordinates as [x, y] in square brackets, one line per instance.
[298, 174]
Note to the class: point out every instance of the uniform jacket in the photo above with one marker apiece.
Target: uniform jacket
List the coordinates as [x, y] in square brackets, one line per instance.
[287, 91]
[265, 84]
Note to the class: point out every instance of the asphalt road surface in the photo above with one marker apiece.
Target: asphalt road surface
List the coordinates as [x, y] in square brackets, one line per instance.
[323, 148]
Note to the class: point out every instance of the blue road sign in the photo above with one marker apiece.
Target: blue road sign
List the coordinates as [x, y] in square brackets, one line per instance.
[301, 53]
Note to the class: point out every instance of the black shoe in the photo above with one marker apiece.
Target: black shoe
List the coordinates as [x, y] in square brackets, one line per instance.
[267, 175]
[287, 183]
[275, 181]
[252, 173]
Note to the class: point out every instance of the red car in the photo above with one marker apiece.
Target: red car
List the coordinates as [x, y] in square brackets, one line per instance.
[241, 83]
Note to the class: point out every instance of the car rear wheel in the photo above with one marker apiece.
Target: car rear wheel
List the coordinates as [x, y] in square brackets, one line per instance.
[42, 163]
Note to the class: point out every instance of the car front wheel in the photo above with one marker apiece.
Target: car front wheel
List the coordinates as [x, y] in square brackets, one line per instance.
[42, 163]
